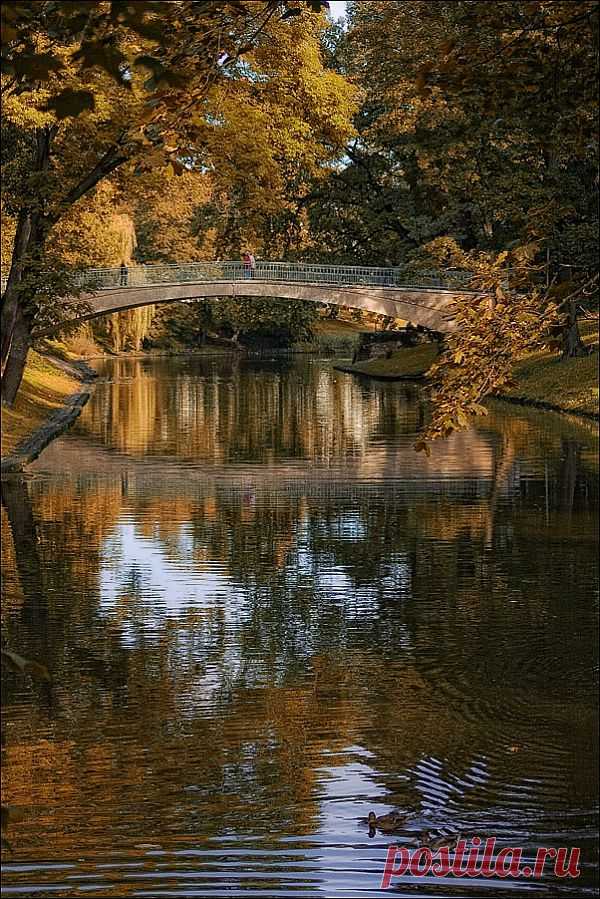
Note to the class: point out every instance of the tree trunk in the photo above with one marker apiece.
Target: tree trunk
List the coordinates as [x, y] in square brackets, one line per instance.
[16, 322]
[33, 226]
[572, 344]
[17, 359]
[10, 298]
[31, 233]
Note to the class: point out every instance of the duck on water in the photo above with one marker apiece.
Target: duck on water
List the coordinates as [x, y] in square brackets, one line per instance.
[394, 822]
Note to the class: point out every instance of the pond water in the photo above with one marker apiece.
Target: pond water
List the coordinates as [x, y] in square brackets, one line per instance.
[265, 616]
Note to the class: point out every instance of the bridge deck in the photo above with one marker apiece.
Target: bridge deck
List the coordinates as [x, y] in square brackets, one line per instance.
[424, 298]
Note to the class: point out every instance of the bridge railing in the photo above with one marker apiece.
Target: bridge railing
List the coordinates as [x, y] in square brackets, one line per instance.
[295, 272]
[198, 272]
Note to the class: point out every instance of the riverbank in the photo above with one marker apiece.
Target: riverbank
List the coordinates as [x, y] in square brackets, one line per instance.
[564, 385]
[162, 354]
[542, 379]
[409, 364]
[53, 393]
[330, 337]
[50, 398]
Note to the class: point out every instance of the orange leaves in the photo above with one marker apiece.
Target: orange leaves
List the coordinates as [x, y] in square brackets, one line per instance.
[490, 338]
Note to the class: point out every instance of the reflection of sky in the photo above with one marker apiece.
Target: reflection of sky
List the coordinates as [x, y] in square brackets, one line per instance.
[335, 579]
[139, 582]
[347, 793]
[146, 580]
[435, 795]
[440, 789]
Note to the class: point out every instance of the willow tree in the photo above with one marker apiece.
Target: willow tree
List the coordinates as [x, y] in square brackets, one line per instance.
[92, 88]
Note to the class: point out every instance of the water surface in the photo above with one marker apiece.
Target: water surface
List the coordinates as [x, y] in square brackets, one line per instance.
[265, 615]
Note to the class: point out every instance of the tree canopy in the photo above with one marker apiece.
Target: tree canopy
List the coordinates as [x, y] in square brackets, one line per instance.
[451, 134]
[95, 88]
[476, 147]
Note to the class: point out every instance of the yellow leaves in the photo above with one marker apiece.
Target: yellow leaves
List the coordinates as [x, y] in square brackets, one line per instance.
[178, 167]
[422, 446]
[526, 252]
[480, 355]
[170, 142]
[19, 110]
[139, 138]
[155, 158]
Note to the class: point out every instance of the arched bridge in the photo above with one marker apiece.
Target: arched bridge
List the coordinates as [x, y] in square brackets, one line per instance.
[423, 300]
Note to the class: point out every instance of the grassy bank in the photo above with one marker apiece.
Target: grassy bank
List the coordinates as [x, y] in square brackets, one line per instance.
[333, 337]
[570, 385]
[412, 362]
[542, 379]
[44, 389]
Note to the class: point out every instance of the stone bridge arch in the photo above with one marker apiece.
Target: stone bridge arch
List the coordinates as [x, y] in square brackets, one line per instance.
[427, 306]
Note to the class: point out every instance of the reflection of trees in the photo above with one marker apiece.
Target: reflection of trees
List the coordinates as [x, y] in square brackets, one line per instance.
[242, 411]
[24, 542]
[570, 458]
[388, 616]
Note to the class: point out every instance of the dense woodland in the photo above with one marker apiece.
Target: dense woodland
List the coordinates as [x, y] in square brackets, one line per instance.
[447, 134]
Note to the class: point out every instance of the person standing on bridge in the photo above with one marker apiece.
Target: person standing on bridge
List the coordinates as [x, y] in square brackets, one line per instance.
[249, 264]
[124, 275]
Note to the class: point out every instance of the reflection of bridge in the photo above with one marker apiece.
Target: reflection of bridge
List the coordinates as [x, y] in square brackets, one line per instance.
[424, 299]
